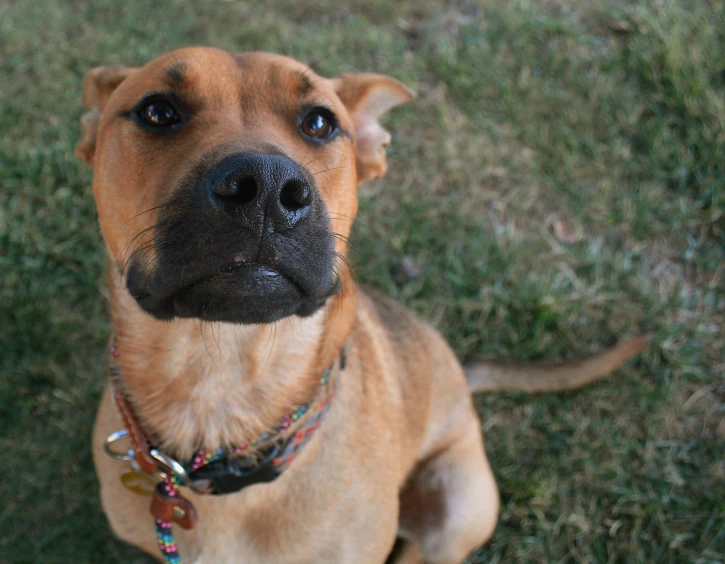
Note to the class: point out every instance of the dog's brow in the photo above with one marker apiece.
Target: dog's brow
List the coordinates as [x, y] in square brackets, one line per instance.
[176, 74]
[305, 84]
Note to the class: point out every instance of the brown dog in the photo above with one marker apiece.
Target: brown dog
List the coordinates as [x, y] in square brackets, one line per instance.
[226, 185]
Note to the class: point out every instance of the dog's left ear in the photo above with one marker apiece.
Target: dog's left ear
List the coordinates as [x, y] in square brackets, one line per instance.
[368, 97]
[98, 86]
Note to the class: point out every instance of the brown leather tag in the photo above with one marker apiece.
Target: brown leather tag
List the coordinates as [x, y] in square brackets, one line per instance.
[176, 509]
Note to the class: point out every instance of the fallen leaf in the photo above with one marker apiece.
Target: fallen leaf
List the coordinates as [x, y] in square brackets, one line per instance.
[564, 231]
[619, 26]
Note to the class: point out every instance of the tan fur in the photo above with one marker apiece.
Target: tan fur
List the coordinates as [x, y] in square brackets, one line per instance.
[399, 454]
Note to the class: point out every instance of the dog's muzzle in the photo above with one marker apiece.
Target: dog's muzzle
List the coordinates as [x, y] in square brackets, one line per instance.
[247, 241]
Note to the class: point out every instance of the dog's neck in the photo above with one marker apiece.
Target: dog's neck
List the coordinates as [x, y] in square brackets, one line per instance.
[198, 384]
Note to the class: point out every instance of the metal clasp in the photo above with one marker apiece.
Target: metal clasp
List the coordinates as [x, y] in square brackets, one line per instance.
[167, 464]
[112, 439]
[170, 465]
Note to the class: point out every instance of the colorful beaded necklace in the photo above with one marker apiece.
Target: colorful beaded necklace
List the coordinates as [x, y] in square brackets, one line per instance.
[280, 444]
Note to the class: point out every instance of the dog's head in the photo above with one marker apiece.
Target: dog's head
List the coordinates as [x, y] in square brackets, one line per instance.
[226, 184]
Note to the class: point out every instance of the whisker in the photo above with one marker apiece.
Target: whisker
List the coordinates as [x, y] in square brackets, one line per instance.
[357, 219]
[303, 158]
[327, 169]
[344, 260]
[315, 160]
[346, 240]
[145, 248]
[136, 237]
[274, 339]
[211, 324]
[201, 331]
[147, 211]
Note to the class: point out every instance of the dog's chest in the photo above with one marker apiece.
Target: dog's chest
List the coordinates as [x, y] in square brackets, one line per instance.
[272, 524]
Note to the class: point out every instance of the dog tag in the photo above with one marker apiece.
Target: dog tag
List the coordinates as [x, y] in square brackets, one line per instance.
[139, 483]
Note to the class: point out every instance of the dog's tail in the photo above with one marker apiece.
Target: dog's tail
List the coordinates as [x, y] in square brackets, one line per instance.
[491, 376]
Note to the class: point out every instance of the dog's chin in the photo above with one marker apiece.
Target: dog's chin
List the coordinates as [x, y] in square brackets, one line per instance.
[250, 294]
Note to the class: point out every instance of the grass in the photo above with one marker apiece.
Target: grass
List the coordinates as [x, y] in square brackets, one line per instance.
[604, 116]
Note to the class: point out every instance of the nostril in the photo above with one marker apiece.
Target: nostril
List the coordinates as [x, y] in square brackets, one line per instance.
[240, 190]
[246, 190]
[295, 195]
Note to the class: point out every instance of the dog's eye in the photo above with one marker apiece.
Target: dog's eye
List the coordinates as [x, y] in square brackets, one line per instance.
[318, 124]
[159, 113]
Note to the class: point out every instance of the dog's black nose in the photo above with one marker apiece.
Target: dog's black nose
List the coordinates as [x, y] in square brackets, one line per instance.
[256, 188]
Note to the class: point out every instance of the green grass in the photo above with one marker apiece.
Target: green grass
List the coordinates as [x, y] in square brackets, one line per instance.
[608, 114]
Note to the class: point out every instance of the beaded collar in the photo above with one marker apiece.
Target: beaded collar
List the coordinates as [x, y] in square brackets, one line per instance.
[223, 471]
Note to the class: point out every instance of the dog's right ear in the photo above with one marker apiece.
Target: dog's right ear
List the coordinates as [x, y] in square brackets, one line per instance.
[97, 89]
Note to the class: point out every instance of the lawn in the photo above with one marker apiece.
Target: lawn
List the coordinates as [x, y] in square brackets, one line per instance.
[559, 183]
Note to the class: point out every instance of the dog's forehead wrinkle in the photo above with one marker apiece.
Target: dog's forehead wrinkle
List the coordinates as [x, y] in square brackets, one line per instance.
[176, 73]
[305, 83]
[277, 70]
[207, 73]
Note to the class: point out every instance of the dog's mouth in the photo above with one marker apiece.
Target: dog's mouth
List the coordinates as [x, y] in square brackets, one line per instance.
[238, 293]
